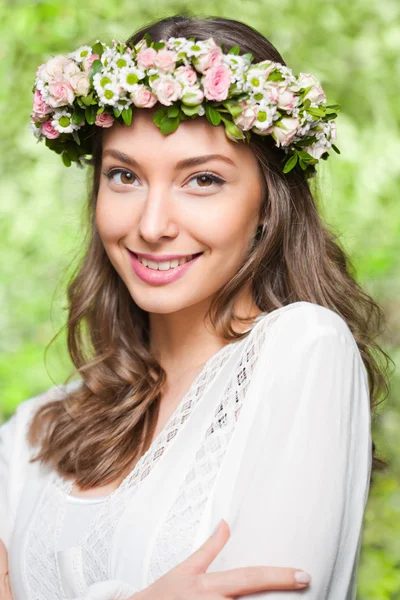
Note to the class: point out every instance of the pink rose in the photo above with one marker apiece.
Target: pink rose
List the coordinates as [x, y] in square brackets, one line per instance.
[167, 89]
[246, 118]
[88, 61]
[315, 94]
[287, 99]
[186, 74]
[142, 97]
[104, 119]
[271, 89]
[285, 129]
[145, 58]
[60, 94]
[49, 131]
[40, 108]
[165, 60]
[212, 58]
[216, 82]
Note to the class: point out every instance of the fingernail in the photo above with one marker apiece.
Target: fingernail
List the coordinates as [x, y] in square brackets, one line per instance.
[302, 577]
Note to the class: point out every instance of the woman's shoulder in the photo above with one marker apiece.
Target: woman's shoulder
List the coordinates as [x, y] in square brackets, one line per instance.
[307, 320]
[19, 421]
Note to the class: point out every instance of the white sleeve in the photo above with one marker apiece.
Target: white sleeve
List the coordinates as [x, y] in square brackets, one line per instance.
[15, 454]
[7, 437]
[109, 590]
[303, 495]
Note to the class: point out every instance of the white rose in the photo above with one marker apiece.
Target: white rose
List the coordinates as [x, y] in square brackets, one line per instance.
[80, 83]
[193, 95]
[53, 69]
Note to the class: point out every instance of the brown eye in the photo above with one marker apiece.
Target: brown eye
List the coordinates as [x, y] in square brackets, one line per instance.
[204, 179]
[126, 177]
[120, 176]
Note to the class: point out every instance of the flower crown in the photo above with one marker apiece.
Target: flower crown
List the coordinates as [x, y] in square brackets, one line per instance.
[99, 85]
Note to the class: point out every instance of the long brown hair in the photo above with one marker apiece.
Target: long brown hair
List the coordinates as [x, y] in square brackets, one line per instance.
[101, 428]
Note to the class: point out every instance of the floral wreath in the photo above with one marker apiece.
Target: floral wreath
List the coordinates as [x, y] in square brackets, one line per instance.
[100, 85]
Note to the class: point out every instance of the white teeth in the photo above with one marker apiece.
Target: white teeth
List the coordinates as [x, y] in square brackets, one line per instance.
[164, 266]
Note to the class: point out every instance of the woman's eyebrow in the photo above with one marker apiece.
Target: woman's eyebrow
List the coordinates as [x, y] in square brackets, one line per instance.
[181, 164]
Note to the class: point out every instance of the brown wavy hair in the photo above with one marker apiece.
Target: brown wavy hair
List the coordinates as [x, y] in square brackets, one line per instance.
[99, 430]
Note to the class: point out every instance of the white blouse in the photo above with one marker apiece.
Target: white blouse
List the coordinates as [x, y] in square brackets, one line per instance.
[274, 436]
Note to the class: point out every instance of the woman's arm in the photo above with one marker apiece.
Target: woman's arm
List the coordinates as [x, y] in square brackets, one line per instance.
[303, 493]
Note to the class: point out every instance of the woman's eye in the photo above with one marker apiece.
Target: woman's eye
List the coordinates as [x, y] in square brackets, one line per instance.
[124, 177]
[120, 176]
[203, 177]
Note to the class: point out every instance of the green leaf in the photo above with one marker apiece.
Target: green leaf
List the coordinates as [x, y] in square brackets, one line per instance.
[173, 111]
[233, 129]
[316, 112]
[275, 76]
[127, 115]
[302, 164]
[96, 67]
[330, 117]
[336, 149]
[305, 155]
[66, 159]
[212, 115]
[98, 48]
[290, 164]
[158, 45]
[148, 39]
[78, 116]
[169, 125]
[249, 55]
[90, 114]
[116, 112]
[159, 116]
[100, 110]
[336, 107]
[234, 50]
[76, 137]
[235, 109]
[87, 100]
[190, 110]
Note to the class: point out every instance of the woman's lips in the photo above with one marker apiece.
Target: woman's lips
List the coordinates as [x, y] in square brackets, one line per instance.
[156, 277]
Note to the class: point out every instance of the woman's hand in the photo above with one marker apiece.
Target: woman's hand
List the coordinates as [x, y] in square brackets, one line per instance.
[5, 590]
[189, 579]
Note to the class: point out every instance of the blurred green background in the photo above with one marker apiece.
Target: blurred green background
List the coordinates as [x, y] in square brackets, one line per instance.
[353, 48]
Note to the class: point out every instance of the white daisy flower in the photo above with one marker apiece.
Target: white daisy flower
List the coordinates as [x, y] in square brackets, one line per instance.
[109, 95]
[62, 121]
[196, 48]
[177, 44]
[264, 118]
[103, 79]
[80, 54]
[35, 128]
[121, 61]
[128, 77]
[108, 56]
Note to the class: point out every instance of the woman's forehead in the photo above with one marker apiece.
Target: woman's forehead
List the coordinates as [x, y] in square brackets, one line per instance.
[193, 137]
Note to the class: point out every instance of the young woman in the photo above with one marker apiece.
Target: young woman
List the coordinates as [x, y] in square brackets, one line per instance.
[223, 348]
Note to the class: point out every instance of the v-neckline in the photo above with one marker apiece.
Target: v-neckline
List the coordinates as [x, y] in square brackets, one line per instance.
[67, 485]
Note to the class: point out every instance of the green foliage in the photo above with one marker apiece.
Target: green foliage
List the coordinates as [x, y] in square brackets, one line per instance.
[352, 49]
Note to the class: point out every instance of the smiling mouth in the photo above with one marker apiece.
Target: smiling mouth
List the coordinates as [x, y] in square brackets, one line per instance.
[193, 256]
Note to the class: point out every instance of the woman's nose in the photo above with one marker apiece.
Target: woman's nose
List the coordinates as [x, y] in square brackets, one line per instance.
[158, 218]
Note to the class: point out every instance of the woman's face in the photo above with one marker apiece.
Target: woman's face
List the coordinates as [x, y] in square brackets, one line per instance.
[156, 197]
